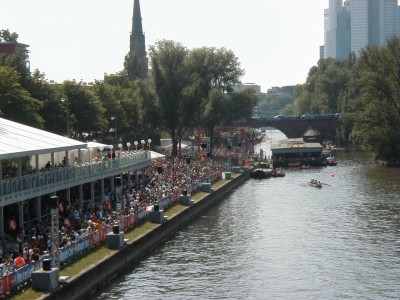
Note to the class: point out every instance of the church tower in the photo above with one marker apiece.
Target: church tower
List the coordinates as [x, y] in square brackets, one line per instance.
[137, 50]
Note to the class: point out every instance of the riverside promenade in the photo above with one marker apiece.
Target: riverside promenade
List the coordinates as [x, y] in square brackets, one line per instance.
[90, 271]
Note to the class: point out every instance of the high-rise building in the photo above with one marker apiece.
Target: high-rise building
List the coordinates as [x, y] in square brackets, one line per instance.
[337, 30]
[360, 26]
[388, 18]
[355, 24]
[137, 49]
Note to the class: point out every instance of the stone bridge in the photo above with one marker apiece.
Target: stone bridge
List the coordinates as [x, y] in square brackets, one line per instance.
[317, 127]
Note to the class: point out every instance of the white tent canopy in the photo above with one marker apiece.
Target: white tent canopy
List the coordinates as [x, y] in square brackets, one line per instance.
[156, 155]
[96, 145]
[18, 140]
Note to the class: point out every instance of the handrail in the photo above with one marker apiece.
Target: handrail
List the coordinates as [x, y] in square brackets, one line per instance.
[73, 175]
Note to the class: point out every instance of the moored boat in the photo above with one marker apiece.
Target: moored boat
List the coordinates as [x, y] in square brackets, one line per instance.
[262, 171]
[331, 161]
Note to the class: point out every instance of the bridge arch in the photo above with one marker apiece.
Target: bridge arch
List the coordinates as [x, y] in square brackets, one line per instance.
[316, 127]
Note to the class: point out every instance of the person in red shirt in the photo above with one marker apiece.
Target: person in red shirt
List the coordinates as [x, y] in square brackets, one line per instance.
[94, 218]
[19, 262]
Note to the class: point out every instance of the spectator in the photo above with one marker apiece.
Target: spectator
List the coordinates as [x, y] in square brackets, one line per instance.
[19, 262]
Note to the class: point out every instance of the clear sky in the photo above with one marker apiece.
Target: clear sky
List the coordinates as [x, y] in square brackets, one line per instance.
[276, 41]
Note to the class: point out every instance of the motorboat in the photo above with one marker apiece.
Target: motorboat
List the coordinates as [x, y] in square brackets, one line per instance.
[331, 161]
[263, 170]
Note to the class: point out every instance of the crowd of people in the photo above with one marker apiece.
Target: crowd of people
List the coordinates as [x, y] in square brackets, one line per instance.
[166, 176]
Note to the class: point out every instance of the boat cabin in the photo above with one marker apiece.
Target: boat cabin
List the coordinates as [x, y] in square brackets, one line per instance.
[296, 152]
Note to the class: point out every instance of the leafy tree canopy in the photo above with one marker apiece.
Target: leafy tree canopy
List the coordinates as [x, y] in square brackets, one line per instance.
[375, 109]
[83, 103]
[15, 102]
[7, 36]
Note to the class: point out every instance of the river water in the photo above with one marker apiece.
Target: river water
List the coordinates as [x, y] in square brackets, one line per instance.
[279, 238]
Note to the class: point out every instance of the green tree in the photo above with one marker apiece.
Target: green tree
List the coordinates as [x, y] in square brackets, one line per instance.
[56, 114]
[7, 36]
[86, 109]
[17, 62]
[146, 110]
[132, 101]
[240, 105]
[274, 103]
[132, 66]
[15, 102]
[376, 109]
[170, 77]
[214, 111]
[211, 100]
[38, 86]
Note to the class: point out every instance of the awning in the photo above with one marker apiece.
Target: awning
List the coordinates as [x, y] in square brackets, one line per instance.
[156, 155]
[18, 140]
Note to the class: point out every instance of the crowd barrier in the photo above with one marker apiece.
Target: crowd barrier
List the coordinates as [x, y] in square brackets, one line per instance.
[19, 277]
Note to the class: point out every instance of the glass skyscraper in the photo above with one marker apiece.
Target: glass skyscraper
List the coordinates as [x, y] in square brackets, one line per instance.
[351, 26]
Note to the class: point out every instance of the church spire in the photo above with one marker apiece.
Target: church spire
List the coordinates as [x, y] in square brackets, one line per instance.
[137, 47]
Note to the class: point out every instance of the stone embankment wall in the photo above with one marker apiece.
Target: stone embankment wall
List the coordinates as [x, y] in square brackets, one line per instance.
[94, 277]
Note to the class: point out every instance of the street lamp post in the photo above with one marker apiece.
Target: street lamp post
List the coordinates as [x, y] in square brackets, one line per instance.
[101, 148]
[67, 104]
[116, 123]
[142, 142]
[135, 143]
[128, 144]
[90, 155]
[309, 99]
[111, 149]
[149, 141]
[301, 100]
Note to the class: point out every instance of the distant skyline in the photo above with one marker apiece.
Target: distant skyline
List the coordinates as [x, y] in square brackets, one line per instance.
[372, 22]
[276, 42]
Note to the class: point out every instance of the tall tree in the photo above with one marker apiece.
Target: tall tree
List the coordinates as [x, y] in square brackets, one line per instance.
[170, 77]
[17, 62]
[213, 72]
[133, 67]
[15, 102]
[84, 107]
[7, 36]
[376, 109]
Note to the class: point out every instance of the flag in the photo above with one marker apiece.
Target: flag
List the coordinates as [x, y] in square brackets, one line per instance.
[202, 159]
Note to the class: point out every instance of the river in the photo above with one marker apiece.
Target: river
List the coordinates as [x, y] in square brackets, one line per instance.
[279, 238]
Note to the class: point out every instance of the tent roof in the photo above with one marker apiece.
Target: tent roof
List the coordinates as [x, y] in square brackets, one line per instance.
[18, 140]
[96, 145]
[156, 155]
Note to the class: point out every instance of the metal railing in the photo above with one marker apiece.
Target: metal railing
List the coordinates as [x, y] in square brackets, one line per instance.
[33, 185]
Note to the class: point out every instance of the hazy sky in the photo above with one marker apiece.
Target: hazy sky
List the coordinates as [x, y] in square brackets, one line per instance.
[276, 41]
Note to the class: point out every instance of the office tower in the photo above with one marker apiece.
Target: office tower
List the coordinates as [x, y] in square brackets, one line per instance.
[388, 17]
[357, 24]
[337, 30]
